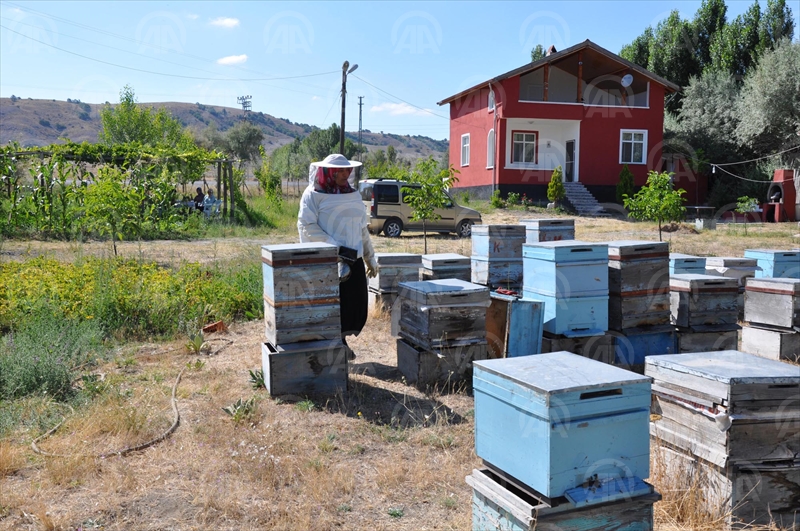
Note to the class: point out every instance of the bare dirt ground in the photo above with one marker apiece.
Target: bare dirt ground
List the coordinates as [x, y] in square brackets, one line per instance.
[383, 456]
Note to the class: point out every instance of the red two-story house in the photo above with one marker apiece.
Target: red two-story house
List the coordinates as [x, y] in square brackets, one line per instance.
[584, 109]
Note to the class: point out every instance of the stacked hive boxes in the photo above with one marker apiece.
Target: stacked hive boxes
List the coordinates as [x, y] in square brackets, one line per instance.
[638, 301]
[686, 264]
[560, 434]
[393, 268]
[304, 353]
[775, 264]
[548, 230]
[514, 326]
[571, 278]
[497, 255]
[733, 418]
[445, 265]
[705, 309]
[442, 328]
[772, 312]
[733, 267]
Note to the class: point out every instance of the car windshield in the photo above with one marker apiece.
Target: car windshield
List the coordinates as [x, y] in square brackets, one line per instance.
[365, 189]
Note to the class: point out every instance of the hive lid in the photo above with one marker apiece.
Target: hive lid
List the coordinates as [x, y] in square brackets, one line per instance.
[780, 286]
[565, 251]
[792, 255]
[499, 231]
[560, 372]
[637, 249]
[729, 367]
[548, 223]
[731, 261]
[295, 254]
[702, 283]
[687, 258]
[431, 261]
[449, 291]
[390, 259]
[607, 490]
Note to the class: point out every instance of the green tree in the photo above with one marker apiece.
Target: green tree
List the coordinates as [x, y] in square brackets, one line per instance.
[110, 209]
[244, 140]
[657, 201]
[555, 190]
[708, 21]
[777, 24]
[769, 105]
[745, 205]
[671, 53]
[129, 122]
[537, 53]
[430, 194]
[625, 184]
[391, 155]
[734, 49]
[638, 52]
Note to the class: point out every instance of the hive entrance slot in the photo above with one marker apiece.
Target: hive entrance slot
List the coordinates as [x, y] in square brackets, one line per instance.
[599, 394]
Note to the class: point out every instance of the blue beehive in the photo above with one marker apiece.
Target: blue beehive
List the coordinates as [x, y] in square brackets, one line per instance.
[565, 269]
[686, 264]
[775, 264]
[632, 345]
[573, 317]
[554, 421]
[514, 326]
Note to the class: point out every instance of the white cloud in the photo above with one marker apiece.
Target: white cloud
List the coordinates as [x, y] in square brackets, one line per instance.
[225, 22]
[192, 16]
[232, 60]
[399, 109]
[315, 98]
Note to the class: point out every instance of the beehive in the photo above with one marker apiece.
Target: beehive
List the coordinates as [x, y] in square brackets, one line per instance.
[424, 367]
[731, 267]
[599, 347]
[308, 368]
[773, 302]
[686, 264]
[445, 265]
[580, 418]
[772, 343]
[394, 268]
[497, 241]
[708, 338]
[775, 264]
[514, 326]
[574, 317]
[566, 269]
[698, 300]
[632, 345]
[548, 230]
[497, 272]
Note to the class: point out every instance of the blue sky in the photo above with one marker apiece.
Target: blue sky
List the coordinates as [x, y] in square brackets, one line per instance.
[288, 55]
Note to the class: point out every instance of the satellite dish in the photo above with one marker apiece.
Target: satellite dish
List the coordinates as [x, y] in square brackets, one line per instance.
[626, 81]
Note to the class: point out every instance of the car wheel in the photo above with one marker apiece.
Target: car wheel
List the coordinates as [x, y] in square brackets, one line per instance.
[464, 229]
[393, 228]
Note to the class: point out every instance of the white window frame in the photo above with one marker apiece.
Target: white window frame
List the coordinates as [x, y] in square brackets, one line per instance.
[490, 149]
[465, 150]
[491, 100]
[633, 142]
[535, 147]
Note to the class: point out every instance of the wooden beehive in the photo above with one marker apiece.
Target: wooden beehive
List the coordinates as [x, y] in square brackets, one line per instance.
[626, 311]
[548, 230]
[686, 264]
[445, 265]
[497, 272]
[741, 495]
[580, 418]
[497, 241]
[631, 346]
[566, 269]
[727, 406]
[394, 268]
[775, 264]
[638, 267]
[697, 300]
[708, 338]
[599, 347]
[731, 267]
[308, 368]
[301, 292]
[439, 313]
[501, 505]
[423, 367]
[514, 326]
[574, 317]
[772, 343]
[773, 302]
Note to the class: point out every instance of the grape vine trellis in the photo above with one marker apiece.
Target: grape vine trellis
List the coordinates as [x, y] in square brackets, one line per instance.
[73, 190]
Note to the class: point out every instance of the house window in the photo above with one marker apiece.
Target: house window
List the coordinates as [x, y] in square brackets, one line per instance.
[633, 145]
[491, 100]
[465, 150]
[490, 149]
[524, 148]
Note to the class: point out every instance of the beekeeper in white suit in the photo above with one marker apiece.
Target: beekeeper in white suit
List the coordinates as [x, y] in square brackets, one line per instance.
[331, 211]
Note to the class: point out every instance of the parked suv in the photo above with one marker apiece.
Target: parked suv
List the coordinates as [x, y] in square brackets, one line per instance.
[390, 214]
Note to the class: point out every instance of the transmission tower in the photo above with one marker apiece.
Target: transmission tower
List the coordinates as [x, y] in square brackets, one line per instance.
[246, 102]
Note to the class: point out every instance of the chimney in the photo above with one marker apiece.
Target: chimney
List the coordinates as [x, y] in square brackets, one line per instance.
[551, 50]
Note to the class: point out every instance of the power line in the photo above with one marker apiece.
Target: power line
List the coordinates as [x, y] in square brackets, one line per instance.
[740, 177]
[162, 73]
[322, 126]
[401, 99]
[759, 158]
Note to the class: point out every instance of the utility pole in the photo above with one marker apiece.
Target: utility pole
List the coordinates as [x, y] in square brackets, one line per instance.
[360, 104]
[346, 69]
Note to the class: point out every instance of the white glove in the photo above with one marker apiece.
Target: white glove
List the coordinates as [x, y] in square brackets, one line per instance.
[372, 267]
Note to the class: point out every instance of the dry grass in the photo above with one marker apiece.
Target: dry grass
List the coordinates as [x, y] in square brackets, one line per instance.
[344, 464]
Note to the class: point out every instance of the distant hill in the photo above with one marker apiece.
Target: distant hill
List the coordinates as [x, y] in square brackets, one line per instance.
[42, 122]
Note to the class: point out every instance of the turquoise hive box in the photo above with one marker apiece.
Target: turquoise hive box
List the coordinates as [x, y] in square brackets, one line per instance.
[776, 264]
[554, 421]
[686, 264]
[565, 269]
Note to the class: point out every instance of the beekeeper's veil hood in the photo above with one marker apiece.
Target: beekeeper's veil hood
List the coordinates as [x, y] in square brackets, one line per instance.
[320, 175]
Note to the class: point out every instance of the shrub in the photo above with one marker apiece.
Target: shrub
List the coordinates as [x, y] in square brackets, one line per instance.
[625, 184]
[44, 123]
[555, 190]
[512, 198]
[496, 200]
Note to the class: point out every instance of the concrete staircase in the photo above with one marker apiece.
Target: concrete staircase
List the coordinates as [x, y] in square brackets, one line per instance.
[583, 201]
